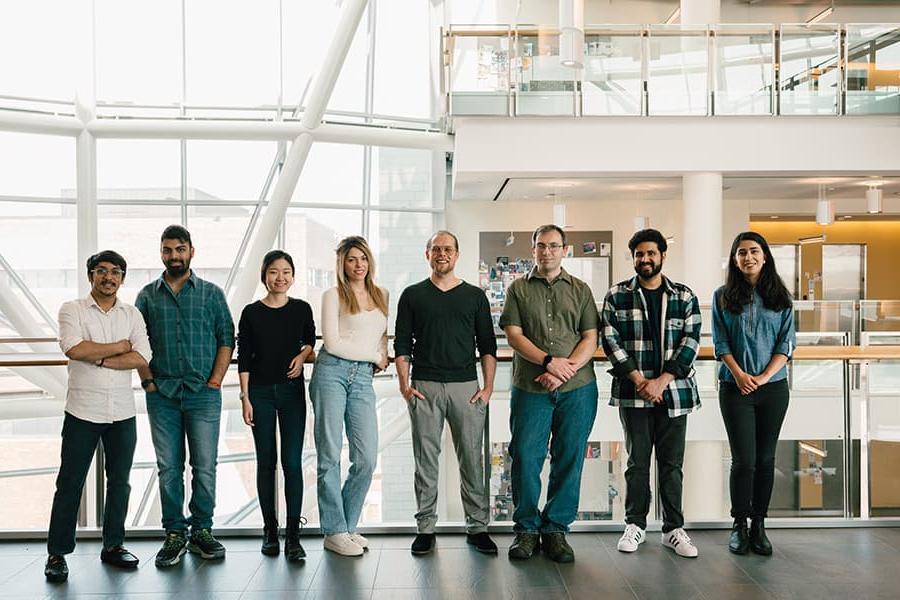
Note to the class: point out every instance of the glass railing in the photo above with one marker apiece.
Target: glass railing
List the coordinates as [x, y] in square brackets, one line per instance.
[727, 69]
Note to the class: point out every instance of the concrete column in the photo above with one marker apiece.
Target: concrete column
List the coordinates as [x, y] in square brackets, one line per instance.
[700, 12]
[701, 238]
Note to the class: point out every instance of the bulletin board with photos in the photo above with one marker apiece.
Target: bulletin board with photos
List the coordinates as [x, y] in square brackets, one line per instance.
[504, 256]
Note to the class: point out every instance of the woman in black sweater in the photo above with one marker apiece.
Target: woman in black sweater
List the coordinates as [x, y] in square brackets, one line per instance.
[275, 336]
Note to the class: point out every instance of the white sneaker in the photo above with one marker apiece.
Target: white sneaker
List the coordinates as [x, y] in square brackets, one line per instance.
[360, 540]
[633, 537]
[343, 544]
[678, 540]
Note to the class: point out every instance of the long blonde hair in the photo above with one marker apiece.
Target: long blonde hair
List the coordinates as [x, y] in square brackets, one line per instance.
[345, 295]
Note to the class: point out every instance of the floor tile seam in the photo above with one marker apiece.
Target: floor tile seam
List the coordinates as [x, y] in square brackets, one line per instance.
[252, 575]
[13, 574]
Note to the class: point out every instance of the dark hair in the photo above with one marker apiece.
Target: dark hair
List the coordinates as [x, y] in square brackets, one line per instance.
[738, 291]
[176, 232]
[105, 256]
[442, 232]
[271, 257]
[545, 229]
[648, 235]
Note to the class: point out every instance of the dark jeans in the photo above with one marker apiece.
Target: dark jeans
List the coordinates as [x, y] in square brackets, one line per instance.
[565, 420]
[284, 403]
[194, 416]
[646, 429]
[753, 423]
[79, 441]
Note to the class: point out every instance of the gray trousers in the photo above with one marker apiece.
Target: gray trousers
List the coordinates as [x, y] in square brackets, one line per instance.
[449, 401]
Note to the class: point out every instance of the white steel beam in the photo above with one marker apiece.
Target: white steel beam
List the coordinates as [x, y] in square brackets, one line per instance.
[24, 122]
[351, 13]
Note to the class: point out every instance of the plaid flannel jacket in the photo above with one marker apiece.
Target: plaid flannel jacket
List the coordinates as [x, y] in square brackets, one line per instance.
[623, 333]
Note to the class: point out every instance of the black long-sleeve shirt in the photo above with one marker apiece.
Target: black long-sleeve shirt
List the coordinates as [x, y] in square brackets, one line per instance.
[269, 338]
[440, 331]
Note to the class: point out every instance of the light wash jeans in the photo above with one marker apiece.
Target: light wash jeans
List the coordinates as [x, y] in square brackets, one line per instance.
[341, 393]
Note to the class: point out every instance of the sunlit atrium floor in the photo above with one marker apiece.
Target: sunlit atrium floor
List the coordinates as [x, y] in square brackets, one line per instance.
[818, 564]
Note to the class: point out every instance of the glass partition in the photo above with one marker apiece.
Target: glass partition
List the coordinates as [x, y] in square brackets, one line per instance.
[543, 85]
[873, 69]
[744, 70]
[480, 70]
[612, 79]
[879, 315]
[882, 438]
[677, 71]
[809, 83]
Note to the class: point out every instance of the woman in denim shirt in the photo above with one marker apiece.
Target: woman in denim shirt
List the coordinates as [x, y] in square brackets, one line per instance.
[754, 337]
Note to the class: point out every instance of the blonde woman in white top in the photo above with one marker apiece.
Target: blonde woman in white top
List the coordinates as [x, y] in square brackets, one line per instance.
[354, 327]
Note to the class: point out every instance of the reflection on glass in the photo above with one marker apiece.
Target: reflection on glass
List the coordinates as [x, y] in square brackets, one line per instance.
[611, 83]
[677, 72]
[745, 71]
[403, 177]
[479, 75]
[809, 78]
[873, 64]
[543, 85]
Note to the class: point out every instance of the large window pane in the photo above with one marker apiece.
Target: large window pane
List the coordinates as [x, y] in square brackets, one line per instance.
[229, 170]
[232, 52]
[36, 165]
[139, 51]
[402, 177]
[139, 169]
[333, 173]
[403, 58]
[216, 232]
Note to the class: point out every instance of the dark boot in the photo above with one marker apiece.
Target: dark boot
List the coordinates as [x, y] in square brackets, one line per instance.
[293, 551]
[525, 545]
[270, 545]
[739, 542]
[759, 542]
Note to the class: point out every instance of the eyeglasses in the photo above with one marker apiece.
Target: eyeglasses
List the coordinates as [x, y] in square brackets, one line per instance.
[552, 247]
[443, 249]
[103, 272]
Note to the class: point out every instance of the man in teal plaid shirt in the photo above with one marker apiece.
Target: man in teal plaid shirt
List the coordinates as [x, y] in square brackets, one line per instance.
[650, 333]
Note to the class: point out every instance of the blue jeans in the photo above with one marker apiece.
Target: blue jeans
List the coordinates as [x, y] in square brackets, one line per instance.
[565, 420]
[195, 416]
[341, 393]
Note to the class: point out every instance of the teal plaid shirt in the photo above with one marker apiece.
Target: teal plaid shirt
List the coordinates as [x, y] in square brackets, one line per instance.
[624, 335]
[185, 331]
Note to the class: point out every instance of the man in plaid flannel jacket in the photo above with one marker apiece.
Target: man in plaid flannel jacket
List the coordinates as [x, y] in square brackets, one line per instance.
[650, 333]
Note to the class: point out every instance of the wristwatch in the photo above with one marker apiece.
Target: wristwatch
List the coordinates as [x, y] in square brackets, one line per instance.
[242, 395]
[546, 361]
[145, 383]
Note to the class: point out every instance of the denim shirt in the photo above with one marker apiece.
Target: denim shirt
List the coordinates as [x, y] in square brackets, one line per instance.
[752, 337]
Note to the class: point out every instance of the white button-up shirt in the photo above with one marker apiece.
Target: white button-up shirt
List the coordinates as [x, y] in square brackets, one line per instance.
[99, 394]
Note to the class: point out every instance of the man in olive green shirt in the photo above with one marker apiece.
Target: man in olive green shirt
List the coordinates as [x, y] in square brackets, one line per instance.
[550, 321]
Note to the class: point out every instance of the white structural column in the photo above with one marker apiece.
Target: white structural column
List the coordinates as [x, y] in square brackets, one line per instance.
[701, 246]
[85, 145]
[248, 278]
[700, 12]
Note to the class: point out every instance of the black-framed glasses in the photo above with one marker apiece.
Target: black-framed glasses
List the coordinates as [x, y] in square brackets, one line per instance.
[552, 247]
[103, 272]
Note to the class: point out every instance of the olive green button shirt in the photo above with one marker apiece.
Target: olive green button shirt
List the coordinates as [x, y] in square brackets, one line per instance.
[552, 315]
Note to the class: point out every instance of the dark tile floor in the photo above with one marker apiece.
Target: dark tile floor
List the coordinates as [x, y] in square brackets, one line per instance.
[818, 564]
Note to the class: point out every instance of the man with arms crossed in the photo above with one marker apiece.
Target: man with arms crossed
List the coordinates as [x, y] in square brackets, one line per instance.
[104, 339]
[550, 320]
[192, 336]
[651, 335]
[440, 322]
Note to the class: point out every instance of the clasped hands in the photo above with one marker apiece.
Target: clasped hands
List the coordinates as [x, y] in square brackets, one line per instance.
[750, 383]
[558, 371]
[651, 390]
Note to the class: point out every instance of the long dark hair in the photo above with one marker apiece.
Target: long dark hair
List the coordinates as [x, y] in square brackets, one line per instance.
[738, 292]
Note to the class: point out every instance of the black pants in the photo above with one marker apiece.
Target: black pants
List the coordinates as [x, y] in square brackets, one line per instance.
[79, 441]
[646, 428]
[753, 423]
[284, 403]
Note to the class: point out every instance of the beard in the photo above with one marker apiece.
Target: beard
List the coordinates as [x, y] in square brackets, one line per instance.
[654, 271]
[177, 270]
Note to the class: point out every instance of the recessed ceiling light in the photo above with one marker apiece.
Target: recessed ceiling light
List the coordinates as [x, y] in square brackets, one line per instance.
[773, 216]
[845, 217]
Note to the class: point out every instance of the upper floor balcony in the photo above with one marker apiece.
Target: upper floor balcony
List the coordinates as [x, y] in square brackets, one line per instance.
[673, 70]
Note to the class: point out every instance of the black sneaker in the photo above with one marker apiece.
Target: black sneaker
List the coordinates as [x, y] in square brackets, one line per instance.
[203, 543]
[423, 544]
[525, 545]
[119, 556]
[172, 550]
[482, 542]
[56, 570]
[557, 548]
[739, 541]
[293, 550]
[270, 544]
